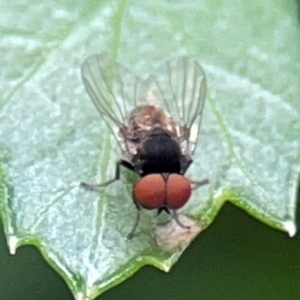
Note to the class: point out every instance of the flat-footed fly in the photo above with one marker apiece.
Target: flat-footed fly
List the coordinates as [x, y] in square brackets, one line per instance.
[156, 123]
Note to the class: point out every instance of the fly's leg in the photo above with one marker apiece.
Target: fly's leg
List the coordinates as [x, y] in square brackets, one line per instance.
[132, 233]
[186, 162]
[175, 216]
[197, 184]
[96, 187]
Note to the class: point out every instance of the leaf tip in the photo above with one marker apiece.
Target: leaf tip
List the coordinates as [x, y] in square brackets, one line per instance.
[290, 227]
[13, 244]
[80, 296]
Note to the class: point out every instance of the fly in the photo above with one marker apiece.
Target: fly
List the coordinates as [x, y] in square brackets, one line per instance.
[156, 123]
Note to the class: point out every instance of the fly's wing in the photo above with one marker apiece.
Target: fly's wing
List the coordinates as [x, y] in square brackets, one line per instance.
[179, 88]
[112, 90]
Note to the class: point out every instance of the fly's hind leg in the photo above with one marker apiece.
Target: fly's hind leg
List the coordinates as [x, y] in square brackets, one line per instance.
[96, 187]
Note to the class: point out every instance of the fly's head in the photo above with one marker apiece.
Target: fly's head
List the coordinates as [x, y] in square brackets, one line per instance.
[158, 191]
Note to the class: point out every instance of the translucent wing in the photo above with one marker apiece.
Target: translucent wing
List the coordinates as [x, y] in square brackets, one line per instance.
[178, 88]
[113, 91]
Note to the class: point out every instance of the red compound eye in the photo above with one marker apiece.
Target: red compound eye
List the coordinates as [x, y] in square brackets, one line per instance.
[178, 191]
[150, 191]
[153, 191]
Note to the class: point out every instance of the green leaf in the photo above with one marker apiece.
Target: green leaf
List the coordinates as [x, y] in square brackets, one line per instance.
[51, 136]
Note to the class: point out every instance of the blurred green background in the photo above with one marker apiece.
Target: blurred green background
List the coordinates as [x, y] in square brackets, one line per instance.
[236, 258]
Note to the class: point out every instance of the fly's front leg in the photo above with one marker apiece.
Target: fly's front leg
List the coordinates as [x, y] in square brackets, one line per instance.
[132, 233]
[197, 184]
[176, 218]
[96, 187]
[186, 162]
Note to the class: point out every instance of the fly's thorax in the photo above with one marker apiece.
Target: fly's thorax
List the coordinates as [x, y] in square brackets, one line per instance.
[160, 153]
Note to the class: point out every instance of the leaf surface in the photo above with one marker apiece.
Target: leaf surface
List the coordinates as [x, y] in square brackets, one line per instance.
[51, 136]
